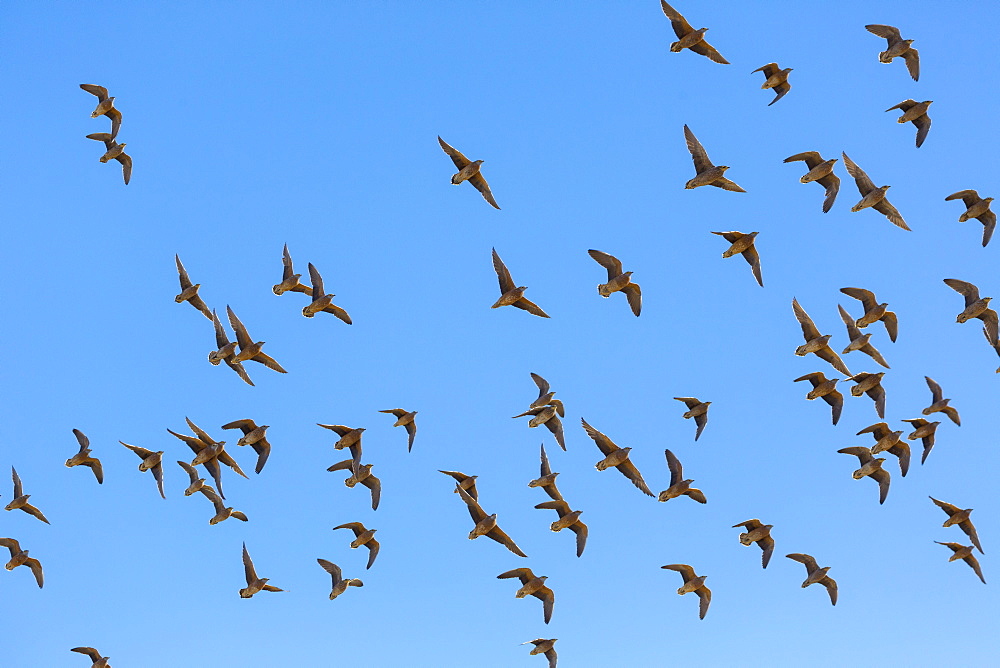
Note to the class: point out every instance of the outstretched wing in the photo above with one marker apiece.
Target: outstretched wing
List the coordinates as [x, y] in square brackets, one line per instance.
[609, 262]
[698, 153]
[456, 156]
[503, 274]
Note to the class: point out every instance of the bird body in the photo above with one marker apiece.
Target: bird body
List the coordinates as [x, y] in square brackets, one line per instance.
[816, 575]
[693, 583]
[618, 281]
[706, 172]
[916, 113]
[939, 404]
[340, 584]
[870, 467]
[678, 485]
[744, 244]
[468, 170]
[775, 78]
[532, 585]
[897, 47]
[959, 517]
[83, 458]
[872, 196]
[254, 584]
[19, 557]
[688, 37]
[757, 532]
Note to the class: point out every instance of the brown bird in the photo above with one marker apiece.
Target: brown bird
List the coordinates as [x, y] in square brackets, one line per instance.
[254, 583]
[216, 452]
[939, 404]
[706, 173]
[19, 557]
[821, 171]
[815, 574]
[897, 47]
[547, 415]
[486, 525]
[758, 533]
[693, 583]
[964, 552]
[361, 473]
[870, 384]
[978, 208]
[924, 430]
[289, 279]
[688, 37]
[618, 281]
[362, 536]
[189, 291]
[916, 113]
[617, 457]
[698, 410]
[105, 106]
[826, 390]
[197, 483]
[255, 437]
[744, 244]
[859, 341]
[546, 647]
[958, 516]
[568, 519]
[466, 482]
[872, 196]
[249, 349]
[975, 307]
[340, 585]
[83, 457]
[874, 311]
[545, 397]
[322, 302]
[212, 465]
[468, 170]
[776, 79]
[511, 295]
[226, 351]
[221, 511]
[349, 438]
[870, 467]
[547, 479]
[887, 440]
[20, 501]
[114, 151]
[532, 585]
[678, 485]
[405, 418]
[95, 656]
[815, 342]
[150, 461]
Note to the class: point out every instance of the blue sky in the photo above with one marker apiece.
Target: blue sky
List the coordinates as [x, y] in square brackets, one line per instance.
[315, 125]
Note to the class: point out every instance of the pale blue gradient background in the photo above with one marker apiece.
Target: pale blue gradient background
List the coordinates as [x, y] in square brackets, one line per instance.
[253, 124]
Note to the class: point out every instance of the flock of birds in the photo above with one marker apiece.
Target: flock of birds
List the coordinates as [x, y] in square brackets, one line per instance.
[545, 409]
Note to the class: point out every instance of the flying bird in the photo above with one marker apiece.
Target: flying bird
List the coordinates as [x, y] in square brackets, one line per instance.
[254, 583]
[859, 341]
[249, 349]
[289, 279]
[254, 436]
[757, 532]
[815, 574]
[821, 171]
[678, 485]
[546, 647]
[978, 208]
[618, 281]
[617, 457]
[511, 295]
[916, 113]
[197, 482]
[889, 441]
[975, 307]
[465, 482]
[870, 467]
[706, 173]
[362, 536]
[964, 552]
[151, 461]
[939, 404]
[545, 396]
[468, 170]
[83, 457]
[20, 501]
[350, 437]
[221, 511]
[95, 656]
[776, 80]
[568, 519]
[547, 479]
[816, 343]
[189, 291]
[405, 418]
[114, 151]
[872, 196]
[361, 473]
[486, 525]
[897, 47]
[322, 302]
[874, 312]
[688, 37]
[923, 430]
[870, 384]
[549, 416]
[698, 410]
[105, 107]
[340, 585]
[19, 557]
[532, 585]
[744, 244]
[826, 390]
[693, 583]
[959, 517]
[226, 351]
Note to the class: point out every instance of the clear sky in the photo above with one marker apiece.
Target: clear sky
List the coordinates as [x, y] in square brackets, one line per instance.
[314, 124]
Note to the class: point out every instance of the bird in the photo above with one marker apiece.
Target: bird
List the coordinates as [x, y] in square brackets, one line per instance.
[254, 583]
[83, 457]
[189, 291]
[361, 473]
[826, 390]
[254, 436]
[815, 342]
[757, 532]
[870, 384]
[362, 536]
[871, 467]
[693, 583]
[617, 457]
[547, 479]
[350, 437]
[221, 511]
[545, 396]
[821, 171]
[211, 464]
[887, 440]
[510, 295]
[486, 525]
[549, 416]
[568, 519]
[19, 557]
[466, 482]
[20, 501]
[960, 517]
[916, 113]
[618, 281]
[776, 80]
[698, 410]
[340, 585]
[105, 106]
[874, 312]
[322, 302]
[532, 585]
[678, 485]
[924, 430]
[897, 46]
[197, 482]
[964, 552]
[688, 37]
[744, 244]
[226, 351]
[815, 574]
[706, 173]
[469, 170]
[996, 347]
[289, 279]
[978, 208]
[859, 341]
[249, 349]
[939, 404]
[405, 418]
[95, 656]
[975, 307]
[114, 151]
[151, 461]
[216, 452]
[546, 647]
[872, 196]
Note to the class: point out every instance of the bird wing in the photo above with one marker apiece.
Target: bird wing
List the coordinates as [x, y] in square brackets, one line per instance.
[852, 330]
[634, 295]
[523, 574]
[126, 160]
[686, 571]
[242, 336]
[479, 182]
[946, 507]
[968, 197]
[221, 339]
[767, 548]
[497, 534]
[530, 306]
[873, 352]
[581, 531]
[263, 450]
[836, 401]
[831, 587]
[677, 21]
[95, 465]
[865, 184]
[475, 510]
[912, 58]
[158, 475]
[375, 485]
[781, 90]
[546, 469]
[769, 70]
[503, 274]
[905, 105]
[246, 426]
[832, 184]
[806, 559]
[214, 498]
[456, 156]
[809, 329]
[200, 433]
[690, 402]
[94, 655]
[240, 371]
[698, 153]
[882, 476]
[674, 464]
[357, 527]
[888, 32]
[248, 568]
[558, 505]
[268, 361]
[373, 548]
[989, 221]
[543, 385]
[811, 158]
[703, 48]
[705, 594]
[753, 259]
[923, 124]
[328, 566]
[12, 545]
[18, 491]
[630, 471]
[182, 274]
[102, 94]
[970, 531]
[902, 451]
[731, 237]
[827, 353]
[891, 325]
[287, 271]
[609, 262]
[863, 454]
[966, 289]
[867, 297]
[548, 599]
[81, 439]
[142, 452]
[346, 465]
[890, 212]
[750, 524]
[191, 471]
[317, 282]
[606, 445]
[879, 430]
[936, 392]
[989, 316]
[726, 184]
